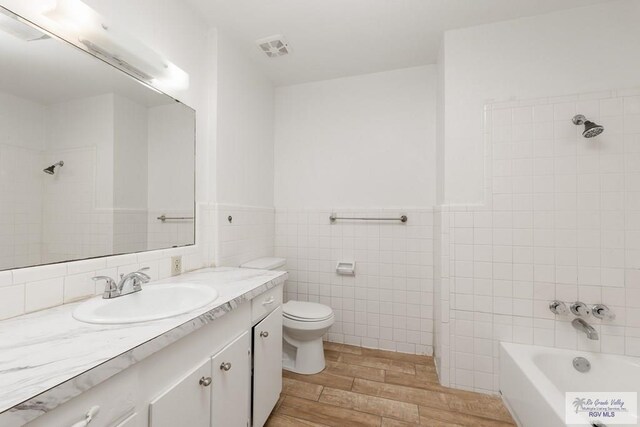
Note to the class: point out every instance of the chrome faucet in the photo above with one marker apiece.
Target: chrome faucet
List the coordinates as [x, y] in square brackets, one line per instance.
[582, 326]
[129, 283]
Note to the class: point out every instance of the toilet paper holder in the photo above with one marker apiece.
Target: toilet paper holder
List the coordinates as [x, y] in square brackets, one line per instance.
[346, 268]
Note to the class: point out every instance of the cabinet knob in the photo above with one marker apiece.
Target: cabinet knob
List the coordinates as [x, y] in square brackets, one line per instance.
[225, 366]
[264, 334]
[205, 381]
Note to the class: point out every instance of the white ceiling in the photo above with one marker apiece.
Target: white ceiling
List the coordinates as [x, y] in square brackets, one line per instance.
[335, 38]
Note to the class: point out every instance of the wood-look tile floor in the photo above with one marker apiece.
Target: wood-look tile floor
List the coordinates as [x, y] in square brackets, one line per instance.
[363, 387]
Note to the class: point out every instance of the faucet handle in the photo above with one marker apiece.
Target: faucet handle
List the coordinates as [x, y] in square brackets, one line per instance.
[558, 307]
[580, 309]
[601, 311]
[145, 276]
[110, 289]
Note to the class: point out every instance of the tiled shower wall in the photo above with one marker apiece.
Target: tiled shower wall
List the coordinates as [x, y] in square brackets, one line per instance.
[562, 221]
[388, 304]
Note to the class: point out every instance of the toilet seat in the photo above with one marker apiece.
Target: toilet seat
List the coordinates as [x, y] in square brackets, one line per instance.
[303, 311]
[304, 319]
[313, 325]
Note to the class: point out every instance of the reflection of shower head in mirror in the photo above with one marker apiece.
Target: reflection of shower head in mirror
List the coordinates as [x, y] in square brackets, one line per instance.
[52, 169]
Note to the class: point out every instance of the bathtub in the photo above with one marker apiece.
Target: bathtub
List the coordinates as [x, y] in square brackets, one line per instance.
[534, 379]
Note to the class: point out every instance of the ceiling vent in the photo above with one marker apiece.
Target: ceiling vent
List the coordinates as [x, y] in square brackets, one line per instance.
[274, 46]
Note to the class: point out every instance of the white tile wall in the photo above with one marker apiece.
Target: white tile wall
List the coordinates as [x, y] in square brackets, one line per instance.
[35, 288]
[21, 208]
[388, 304]
[249, 234]
[562, 220]
[130, 231]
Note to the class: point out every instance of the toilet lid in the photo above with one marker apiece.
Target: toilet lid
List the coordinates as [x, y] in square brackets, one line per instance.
[303, 310]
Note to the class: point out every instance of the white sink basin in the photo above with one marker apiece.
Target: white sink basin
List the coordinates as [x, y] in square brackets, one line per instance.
[154, 302]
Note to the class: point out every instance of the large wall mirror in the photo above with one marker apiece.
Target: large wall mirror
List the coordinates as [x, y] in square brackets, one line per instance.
[92, 161]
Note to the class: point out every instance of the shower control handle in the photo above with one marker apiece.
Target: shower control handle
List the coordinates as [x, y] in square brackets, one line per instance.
[580, 309]
[558, 307]
[601, 311]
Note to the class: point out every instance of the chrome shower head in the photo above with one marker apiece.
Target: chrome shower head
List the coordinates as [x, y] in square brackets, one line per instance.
[52, 169]
[591, 129]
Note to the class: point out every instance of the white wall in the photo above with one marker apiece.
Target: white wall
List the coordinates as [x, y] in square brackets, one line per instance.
[170, 160]
[130, 171]
[244, 157]
[244, 164]
[579, 50]
[364, 145]
[366, 141]
[170, 148]
[130, 175]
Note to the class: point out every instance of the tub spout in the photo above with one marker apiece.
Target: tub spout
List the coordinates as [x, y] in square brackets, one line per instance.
[583, 326]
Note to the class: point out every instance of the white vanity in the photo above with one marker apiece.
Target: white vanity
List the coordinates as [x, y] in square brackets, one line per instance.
[217, 366]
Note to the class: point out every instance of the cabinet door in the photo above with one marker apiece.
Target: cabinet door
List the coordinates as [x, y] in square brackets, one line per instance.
[267, 366]
[186, 403]
[231, 392]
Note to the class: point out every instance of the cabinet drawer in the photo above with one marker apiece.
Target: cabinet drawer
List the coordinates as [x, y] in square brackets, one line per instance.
[115, 397]
[266, 303]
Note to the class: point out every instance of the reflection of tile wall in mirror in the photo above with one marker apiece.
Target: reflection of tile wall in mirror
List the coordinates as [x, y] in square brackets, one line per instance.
[128, 154]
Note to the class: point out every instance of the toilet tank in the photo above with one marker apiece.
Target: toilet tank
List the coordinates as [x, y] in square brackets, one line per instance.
[268, 263]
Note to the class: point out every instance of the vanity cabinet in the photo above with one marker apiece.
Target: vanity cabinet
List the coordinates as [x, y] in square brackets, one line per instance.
[267, 365]
[221, 375]
[217, 393]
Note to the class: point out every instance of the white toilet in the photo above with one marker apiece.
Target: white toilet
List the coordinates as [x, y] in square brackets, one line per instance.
[304, 325]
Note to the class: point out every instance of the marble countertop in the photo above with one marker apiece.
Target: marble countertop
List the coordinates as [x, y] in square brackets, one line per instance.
[48, 357]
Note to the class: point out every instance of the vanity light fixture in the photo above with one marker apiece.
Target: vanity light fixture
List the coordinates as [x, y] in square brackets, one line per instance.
[90, 31]
[13, 25]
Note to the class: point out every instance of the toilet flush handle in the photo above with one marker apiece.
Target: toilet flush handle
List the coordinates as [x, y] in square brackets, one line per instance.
[264, 334]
